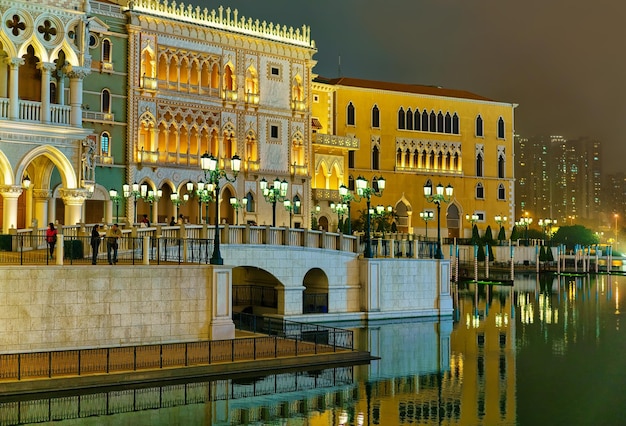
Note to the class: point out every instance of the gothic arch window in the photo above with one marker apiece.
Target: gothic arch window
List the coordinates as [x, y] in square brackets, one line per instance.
[229, 78]
[431, 160]
[252, 82]
[448, 123]
[455, 124]
[417, 119]
[433, 122]
[439, 160]
[401, 119]
[375, 117]
[105, 144]
[409, 119]
[416, 158]
[106, 50]
[250, 204]
[375, 158]
[425, 121]
[105, 102]
[215, 77]
[440, 126]
[424, 161]
[501, 192]
[480, 191]
[479, 165]
[399, 158]
[350, 120]
[448, 161]
[500, 128]
[479, 127]
[53, 93]
[456, 161]
[501, 166]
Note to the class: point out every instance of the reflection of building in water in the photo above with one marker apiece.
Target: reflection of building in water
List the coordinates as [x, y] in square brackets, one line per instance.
[231, 401]
[483, 363]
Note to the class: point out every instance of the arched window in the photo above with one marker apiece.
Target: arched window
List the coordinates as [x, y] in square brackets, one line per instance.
[448, 123]
[106, 101]
[375, 158]
[479, 126]
[500, 128]
[448, 161]
[501, 192]
[250, 203]
[439, 160]
[480, 191]
[501, 166]
[479, 165]
[424, 159]
[425, 121]
[417, 119]
[401, 118]
[399, 158]
[455, 124]
[53, 93]
[440, 126]
[350, 115]
[106, 50]
[375, 117]
[409, 119]
[431, 160]
[433, 122]
[105, 144]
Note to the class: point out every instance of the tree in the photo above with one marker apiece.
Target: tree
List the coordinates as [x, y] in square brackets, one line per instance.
[502, 234]
[574, 234]
[475, 235]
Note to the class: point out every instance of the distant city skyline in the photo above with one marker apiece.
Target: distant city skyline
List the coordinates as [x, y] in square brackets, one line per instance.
[549, 58]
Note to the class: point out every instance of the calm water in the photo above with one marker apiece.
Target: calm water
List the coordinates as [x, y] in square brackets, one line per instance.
[546, 352]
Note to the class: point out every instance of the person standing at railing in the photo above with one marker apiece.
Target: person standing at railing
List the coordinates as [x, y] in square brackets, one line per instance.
[95, 243]
[51, 238]
[113, 236]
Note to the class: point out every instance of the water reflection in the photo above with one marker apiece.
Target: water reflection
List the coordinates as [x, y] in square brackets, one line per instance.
[546, 351]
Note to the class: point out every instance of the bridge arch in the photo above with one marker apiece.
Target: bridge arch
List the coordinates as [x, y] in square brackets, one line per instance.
[256, 291]
[315, 295]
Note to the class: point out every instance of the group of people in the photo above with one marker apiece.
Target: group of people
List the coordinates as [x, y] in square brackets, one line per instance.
[112, 238]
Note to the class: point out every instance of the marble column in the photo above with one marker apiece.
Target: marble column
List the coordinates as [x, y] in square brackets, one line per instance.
[73, 200]
[76, 95]
[10, 194]
[46, 68]
[14, 101]
[41, 197]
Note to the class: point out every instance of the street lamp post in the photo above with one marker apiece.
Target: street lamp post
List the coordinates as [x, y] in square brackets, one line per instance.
[276, 193]
[153, 197]
[238, 204]
[438, 198]
[500, 220]
[177, 201]
[525, 222]
[291, 208]
[546, 224]
[135, 191]
[615, 215]
[346, 198]
[213, 174]
[363, 190]
[340, 209]
[426, 216]
[116, 199]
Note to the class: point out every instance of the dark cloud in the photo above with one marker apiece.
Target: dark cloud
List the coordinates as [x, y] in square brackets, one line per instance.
[560, 60]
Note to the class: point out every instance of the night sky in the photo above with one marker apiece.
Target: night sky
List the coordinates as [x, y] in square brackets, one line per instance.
[562, 61]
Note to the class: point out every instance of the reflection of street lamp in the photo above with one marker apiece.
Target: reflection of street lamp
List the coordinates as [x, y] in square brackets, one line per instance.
[365, 191]
[116, 199]
[273, 194]
[438, 198]
[213, 174]
[291, 208]
[426, 216]
[615, 215]
[238, 204]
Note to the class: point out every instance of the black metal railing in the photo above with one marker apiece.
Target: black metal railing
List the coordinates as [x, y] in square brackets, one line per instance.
[319, 334]
[256, 295]
[314, 303]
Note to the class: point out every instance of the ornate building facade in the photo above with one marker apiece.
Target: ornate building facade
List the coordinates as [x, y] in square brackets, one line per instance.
[412, 136]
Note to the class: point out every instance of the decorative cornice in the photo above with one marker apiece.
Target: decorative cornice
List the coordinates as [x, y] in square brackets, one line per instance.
[11, 191]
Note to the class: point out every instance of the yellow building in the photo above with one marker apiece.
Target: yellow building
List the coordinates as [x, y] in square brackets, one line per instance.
[413, 136]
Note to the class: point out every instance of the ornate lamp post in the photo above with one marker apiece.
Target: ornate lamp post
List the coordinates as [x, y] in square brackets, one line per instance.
[547, 224]
[346, 198]
[153, 197]
[177, 201]
[525, 223]
[291, 208]
[213, 174]
[500, 220]
[340, 209]
[135, 191]
[204, 194]
[276, 193]
[365, 191]
[426, 216]
[238, 204]
[438, 198]
[116, 200]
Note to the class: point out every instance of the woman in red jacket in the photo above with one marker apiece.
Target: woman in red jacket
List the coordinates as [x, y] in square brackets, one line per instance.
[51, 238]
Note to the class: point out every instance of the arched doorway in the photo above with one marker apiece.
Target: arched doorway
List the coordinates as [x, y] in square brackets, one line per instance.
[255, 291]
[453, 221]
[315, 295]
